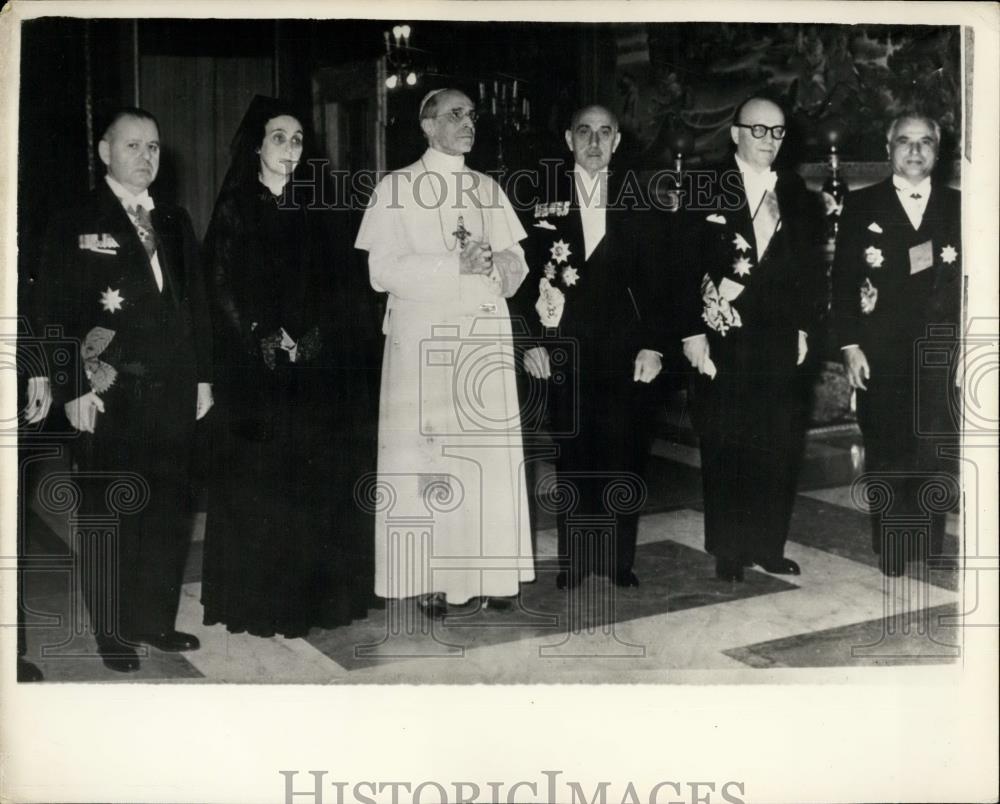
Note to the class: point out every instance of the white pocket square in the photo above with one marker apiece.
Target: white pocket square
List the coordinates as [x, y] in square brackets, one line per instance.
[716, 219]
[874, 227]
[544, 225]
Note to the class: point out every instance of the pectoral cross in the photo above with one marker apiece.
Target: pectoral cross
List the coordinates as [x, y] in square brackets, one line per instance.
[461, 234]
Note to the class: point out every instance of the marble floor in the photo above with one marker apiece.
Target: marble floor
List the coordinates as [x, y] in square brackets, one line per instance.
[680, 625]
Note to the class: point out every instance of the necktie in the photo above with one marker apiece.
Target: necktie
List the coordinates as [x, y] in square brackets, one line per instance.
[913, 209]
[139, 216]
[144, 228]
[765, 222]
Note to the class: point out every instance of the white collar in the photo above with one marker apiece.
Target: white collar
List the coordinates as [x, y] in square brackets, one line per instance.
[765, 179]
[902, 185]
[589, 188]
[143, 199]
[440, 162]
[586, 178]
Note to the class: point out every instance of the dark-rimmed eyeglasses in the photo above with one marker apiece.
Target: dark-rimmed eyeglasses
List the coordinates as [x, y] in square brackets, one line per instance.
[758, 130]
[459, 114]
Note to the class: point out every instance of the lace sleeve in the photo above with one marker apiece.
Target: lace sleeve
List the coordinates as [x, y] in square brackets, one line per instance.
[224, 251]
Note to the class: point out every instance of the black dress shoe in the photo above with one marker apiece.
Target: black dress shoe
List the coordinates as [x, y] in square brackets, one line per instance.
[120, 658]
[626, 579]
[498, 603]
[434, 607]
[566, 580]
[778, 566]
[26, 671]
[729, 569]
[170, 641]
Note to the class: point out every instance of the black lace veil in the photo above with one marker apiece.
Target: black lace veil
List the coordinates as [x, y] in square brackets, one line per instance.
[244, 165]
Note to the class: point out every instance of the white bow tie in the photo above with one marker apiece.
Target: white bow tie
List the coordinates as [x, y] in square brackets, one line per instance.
[145, 201]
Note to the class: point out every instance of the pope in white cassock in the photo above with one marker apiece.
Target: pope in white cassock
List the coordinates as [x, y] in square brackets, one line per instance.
[442, 240]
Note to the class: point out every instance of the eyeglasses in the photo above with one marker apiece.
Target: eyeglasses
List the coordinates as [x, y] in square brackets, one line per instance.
[758, 130]
[459, 114]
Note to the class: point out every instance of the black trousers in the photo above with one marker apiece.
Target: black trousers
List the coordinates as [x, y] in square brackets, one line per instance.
[748, 494]
[911, 486]
[135, 524]
[603, 431]
[752, 433]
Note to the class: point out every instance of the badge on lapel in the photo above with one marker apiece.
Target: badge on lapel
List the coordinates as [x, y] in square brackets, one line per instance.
[558, 209]
[98, 243]
[873, 256]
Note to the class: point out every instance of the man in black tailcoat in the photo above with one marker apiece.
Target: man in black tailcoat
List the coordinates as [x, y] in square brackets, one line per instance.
[756, 281]
[591, 311]
[122, 275]
[897, 281]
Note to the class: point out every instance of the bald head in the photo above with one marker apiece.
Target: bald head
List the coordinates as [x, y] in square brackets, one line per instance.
[759, 153]
[596, 107]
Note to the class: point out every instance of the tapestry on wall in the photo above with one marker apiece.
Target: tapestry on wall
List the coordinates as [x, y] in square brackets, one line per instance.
[686, 79]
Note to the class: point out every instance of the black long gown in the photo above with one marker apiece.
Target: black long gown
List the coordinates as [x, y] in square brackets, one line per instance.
[286, 547]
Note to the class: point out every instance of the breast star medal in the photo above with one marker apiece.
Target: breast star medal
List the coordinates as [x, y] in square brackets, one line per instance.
[560, 251]
[742, 266]
[112, 300]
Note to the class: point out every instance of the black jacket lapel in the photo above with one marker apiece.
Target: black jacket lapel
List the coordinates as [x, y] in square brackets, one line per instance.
[742, 218]
[115, 221]
[135, 268]
[169, 253]
[893, 206]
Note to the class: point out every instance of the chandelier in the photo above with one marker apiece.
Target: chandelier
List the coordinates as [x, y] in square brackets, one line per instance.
[404, 64]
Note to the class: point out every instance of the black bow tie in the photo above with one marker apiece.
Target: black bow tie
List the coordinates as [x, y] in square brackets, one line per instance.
[916, 195]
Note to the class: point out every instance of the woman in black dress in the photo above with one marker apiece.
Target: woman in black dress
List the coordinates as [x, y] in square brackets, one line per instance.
[286, 546]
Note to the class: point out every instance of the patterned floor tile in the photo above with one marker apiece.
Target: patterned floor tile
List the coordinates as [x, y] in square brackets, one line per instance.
[673, 578]
[928, 636]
